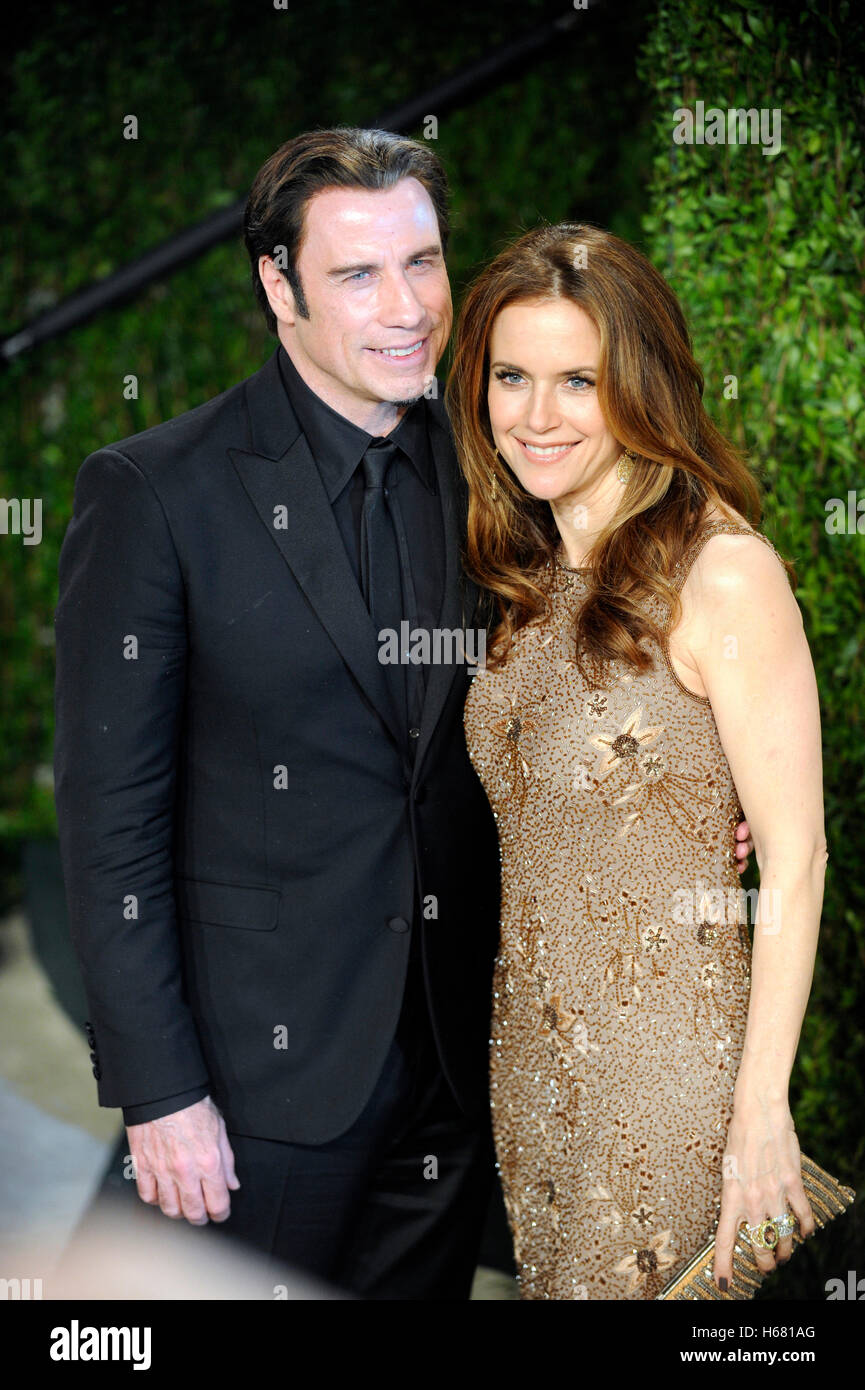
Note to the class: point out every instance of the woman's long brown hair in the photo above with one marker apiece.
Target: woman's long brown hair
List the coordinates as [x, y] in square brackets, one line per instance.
[650, 392]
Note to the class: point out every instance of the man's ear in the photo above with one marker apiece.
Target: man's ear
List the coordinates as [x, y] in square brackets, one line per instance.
[278, 290]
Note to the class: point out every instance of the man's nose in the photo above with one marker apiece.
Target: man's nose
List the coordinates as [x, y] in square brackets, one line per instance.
[399, 305]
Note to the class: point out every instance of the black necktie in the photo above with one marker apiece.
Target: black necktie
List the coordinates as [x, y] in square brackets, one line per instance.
[380, 570]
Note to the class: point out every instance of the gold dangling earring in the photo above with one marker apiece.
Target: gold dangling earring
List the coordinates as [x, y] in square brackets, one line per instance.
[625, 465]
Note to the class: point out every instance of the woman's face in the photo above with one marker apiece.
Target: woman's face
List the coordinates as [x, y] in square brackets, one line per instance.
[544, 412]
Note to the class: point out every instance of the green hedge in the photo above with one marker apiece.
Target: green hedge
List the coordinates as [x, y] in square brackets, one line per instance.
[766, 253]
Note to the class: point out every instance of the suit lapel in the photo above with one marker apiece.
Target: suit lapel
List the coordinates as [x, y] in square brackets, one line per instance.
[460, 593]
[281, 479]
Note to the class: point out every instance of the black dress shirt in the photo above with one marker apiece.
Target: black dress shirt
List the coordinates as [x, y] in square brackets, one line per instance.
[338, 447]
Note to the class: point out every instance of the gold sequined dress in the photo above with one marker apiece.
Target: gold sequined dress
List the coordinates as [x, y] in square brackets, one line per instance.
[622, 979]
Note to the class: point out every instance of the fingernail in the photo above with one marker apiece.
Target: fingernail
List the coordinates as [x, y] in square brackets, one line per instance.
[722, 1285]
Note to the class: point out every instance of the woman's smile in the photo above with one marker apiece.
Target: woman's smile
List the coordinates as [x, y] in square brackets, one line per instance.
[547, 453]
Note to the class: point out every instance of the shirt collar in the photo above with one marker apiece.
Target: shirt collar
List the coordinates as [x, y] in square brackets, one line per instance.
[338, 445]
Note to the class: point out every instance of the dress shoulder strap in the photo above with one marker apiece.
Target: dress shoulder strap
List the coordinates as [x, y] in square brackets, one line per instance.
[714, 528]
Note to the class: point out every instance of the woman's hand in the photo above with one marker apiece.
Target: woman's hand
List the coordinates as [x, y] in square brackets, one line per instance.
[762, 1179]
[744, 845]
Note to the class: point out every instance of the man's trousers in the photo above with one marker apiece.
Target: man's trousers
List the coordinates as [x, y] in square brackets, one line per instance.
[392, 1209]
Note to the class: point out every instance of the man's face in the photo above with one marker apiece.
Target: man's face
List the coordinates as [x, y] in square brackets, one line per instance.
[374, 279]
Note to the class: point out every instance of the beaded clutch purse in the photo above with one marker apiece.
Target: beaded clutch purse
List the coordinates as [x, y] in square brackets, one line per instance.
[828, 1199]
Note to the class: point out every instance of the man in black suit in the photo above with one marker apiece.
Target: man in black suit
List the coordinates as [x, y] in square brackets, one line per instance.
[281, 868]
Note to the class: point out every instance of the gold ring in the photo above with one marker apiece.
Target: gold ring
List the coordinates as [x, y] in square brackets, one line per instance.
[765, 1236]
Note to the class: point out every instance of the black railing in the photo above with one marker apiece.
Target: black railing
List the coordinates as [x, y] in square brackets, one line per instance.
[466, 85]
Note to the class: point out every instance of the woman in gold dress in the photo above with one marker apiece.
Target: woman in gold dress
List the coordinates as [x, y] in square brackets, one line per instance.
[647, 680]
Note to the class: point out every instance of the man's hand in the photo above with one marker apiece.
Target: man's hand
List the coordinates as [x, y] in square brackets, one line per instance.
[744, 845]
[184, 1163]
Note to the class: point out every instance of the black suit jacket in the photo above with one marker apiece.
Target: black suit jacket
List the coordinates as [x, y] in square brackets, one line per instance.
[242, 830]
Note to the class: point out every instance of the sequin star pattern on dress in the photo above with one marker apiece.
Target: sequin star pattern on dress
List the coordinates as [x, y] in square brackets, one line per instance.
[618, 1019]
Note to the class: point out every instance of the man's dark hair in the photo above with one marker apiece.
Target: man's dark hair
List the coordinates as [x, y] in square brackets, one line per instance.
[342, 157]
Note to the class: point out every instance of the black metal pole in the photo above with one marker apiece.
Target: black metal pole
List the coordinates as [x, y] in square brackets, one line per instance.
[163, 260]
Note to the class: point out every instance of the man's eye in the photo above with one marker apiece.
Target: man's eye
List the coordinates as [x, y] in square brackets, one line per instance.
[357, 275]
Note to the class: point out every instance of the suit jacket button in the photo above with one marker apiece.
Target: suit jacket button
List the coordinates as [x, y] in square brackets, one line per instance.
[397, 924]
[414, 733]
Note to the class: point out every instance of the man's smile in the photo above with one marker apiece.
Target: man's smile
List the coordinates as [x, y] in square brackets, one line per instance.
[401, 354]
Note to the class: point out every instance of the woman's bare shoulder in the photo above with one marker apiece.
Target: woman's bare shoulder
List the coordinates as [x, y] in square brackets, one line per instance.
[731, 574]
[728, 562]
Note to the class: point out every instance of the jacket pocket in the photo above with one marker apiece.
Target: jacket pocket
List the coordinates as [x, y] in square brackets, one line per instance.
[227, 904]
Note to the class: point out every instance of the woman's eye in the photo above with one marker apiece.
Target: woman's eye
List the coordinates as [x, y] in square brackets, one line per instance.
[576, 383]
